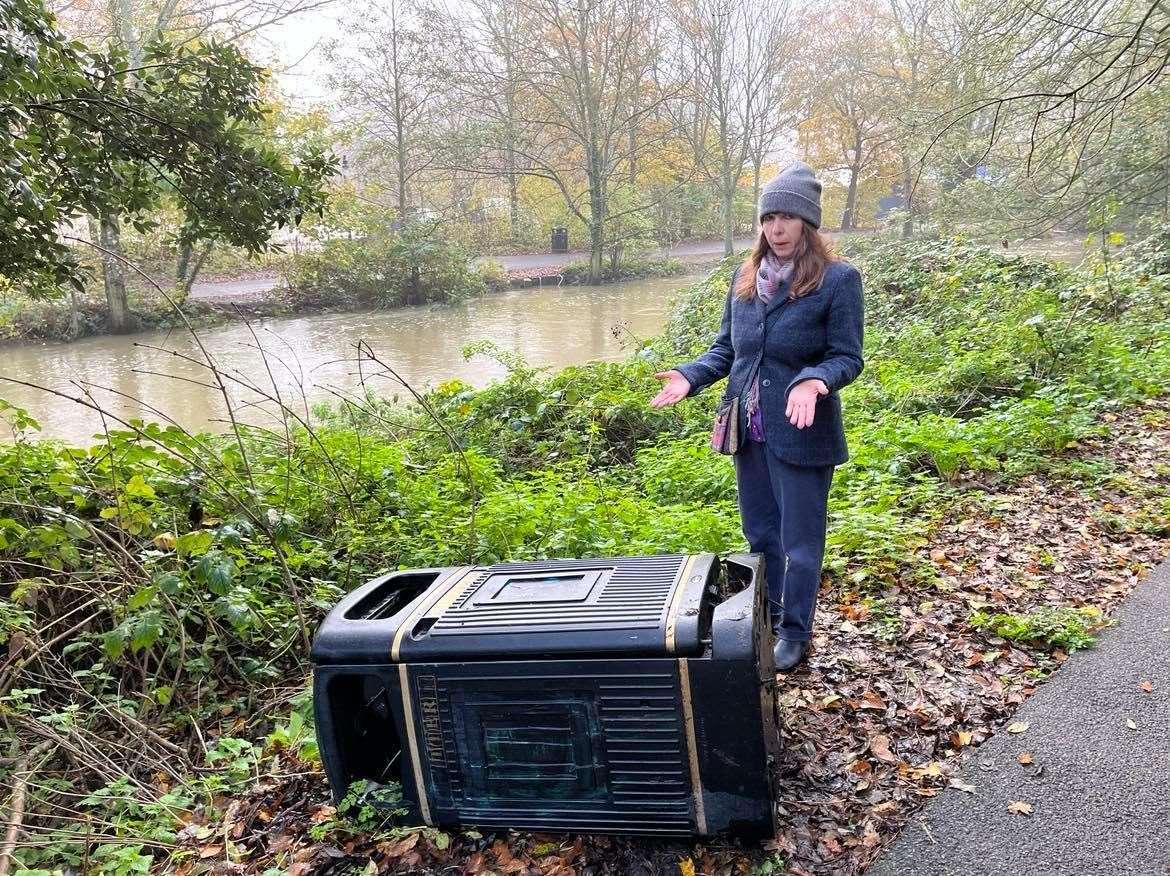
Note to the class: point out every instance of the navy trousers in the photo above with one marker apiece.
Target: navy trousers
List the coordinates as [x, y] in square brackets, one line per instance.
[784, 509]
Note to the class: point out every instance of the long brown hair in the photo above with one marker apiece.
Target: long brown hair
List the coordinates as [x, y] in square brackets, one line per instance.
[811, 255]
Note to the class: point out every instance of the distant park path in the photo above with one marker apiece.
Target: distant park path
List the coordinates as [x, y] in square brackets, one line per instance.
[703, 249]
[1068, 248]
[251, 288]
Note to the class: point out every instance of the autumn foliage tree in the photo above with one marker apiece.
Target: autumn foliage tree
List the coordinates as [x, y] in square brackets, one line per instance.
[846, 81]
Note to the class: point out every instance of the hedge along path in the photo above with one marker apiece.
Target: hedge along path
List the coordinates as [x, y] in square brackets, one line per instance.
[899, 689]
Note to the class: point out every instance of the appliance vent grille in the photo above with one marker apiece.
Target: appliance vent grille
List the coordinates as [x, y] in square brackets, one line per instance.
[637, 778]
[633, 592]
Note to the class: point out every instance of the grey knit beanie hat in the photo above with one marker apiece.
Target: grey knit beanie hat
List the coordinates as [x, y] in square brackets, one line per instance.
[794, 190]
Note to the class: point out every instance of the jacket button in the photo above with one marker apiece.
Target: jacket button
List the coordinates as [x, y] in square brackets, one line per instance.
[761, 325]
[767, 382]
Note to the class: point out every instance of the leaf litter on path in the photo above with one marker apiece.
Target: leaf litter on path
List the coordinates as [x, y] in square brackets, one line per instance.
[1043, 541]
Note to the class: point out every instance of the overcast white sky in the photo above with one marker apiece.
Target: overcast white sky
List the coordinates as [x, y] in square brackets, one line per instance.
[295, 50]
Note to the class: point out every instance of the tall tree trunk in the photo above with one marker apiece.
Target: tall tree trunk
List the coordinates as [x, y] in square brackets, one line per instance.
[596, 218]
[633, 153]
[1166, 175]
[400, 133]
[513, 201]
[907, 185]
[757, 166]
[510, 142]
[513, 191]
[401, 171]
[596, 244]
[74, 315]
[849, 217]
[186, 250]
[191, 270]
[728, 208]
[113, 275]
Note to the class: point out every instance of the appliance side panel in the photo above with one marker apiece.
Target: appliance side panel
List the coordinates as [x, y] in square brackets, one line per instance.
[361, 731]
[731, 727]
[734, 694]
[585, 745]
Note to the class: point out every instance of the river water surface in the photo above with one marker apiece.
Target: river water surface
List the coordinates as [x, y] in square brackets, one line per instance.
[314, 358]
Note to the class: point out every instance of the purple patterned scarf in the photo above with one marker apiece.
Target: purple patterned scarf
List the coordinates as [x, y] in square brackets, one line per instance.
[771, 273]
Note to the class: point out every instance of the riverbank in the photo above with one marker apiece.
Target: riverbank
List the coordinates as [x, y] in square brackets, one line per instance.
[255, 299]
[900, 702]
[550, 326]
[263, 294]
[171, 581]
[266, 294]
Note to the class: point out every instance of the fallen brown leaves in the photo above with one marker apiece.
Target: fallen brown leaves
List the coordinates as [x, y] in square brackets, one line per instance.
[271, 827]
[873, 728]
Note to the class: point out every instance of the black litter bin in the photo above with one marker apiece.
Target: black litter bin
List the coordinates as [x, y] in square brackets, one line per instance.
[560, 239]
[627, 695]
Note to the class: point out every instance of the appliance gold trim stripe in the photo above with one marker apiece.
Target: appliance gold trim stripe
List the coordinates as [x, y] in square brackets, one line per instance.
[453, 593]
[412, 742]
[680, 585]
[447, 592]
[684, 681]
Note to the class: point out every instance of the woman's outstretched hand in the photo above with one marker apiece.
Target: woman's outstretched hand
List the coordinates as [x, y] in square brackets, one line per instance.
[802, 402]
[675, 390]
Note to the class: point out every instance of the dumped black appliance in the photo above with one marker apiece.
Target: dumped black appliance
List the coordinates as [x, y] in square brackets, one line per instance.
[623, 695]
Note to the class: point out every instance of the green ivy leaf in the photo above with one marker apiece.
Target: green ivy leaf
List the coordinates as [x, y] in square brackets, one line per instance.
[194, 543]
[168, 583]
[141, 598]
[216, 571]
[114, 643]
[138, 488]
[145, 630]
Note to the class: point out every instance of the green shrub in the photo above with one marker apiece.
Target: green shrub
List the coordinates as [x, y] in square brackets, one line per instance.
[685, 470]
[629, 268]
[493, 274]
[1150, 256]
[1069, 629]
[413, 266]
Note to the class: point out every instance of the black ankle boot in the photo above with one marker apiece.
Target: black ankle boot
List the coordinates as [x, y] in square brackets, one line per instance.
[789, 653]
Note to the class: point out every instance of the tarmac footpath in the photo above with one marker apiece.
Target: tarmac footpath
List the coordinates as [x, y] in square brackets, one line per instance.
[1099, 782]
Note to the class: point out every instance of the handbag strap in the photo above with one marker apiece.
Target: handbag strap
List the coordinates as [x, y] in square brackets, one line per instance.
[756, 367]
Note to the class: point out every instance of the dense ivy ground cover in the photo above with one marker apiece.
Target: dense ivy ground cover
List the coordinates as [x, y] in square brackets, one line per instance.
[161, 587]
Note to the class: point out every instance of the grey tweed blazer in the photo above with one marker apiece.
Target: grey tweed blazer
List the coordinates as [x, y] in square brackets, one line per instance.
[818, 335]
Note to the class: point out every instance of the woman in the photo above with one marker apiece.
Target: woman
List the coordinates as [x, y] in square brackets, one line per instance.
[789, 341]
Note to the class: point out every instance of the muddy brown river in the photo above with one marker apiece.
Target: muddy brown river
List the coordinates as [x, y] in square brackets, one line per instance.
[314, 358]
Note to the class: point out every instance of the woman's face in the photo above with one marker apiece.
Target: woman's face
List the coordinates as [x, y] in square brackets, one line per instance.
[783, 230]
